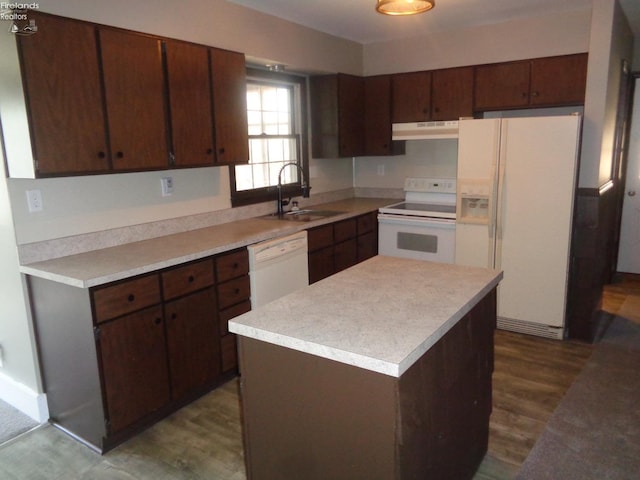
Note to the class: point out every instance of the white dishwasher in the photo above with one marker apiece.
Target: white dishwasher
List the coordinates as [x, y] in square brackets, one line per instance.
[277, 267]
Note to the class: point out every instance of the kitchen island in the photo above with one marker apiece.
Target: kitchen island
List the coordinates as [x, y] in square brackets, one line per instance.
[382, 371]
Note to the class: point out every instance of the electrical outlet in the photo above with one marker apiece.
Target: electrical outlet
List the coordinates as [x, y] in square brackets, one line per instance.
[381, 170]
[34, 201]
[167, 186]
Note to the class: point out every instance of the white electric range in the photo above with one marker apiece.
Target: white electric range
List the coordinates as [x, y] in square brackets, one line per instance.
[423, 226]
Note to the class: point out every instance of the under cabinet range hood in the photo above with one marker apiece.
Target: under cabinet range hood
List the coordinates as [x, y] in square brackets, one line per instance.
[425, 130]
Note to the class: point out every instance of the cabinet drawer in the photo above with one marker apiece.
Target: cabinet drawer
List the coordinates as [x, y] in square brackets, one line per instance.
[188, 278]
[367, 222]
[344, 230]
[234, 291]
[232, 312]
[116, 300]
[232, 265]
[320, 237]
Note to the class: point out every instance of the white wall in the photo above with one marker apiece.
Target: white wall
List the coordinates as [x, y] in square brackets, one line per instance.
[547, 35]
[19, 377]
[611, 41]
[422, 158]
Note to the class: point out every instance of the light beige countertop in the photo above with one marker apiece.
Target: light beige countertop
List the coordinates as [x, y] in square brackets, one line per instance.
[381, 315]
[106, 265]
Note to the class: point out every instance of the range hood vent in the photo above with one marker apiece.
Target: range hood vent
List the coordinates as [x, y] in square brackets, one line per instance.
[425, 130]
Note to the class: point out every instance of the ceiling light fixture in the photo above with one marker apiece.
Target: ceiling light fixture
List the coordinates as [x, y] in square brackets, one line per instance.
[404, 7]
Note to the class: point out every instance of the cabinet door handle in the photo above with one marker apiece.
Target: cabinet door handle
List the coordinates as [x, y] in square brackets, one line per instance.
[221, 150]
[101, 154]
[174, 315]
[191, 278]
[120, 154]
[131, 297]
[209, 151]
[157, 321]
[235, 265]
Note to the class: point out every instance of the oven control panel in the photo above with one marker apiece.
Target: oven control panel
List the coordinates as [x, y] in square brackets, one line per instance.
[430, 185]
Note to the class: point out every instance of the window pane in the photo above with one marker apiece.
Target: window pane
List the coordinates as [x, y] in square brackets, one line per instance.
[272, 137]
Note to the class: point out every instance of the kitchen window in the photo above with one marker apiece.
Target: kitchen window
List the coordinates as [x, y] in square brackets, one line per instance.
[277, 135]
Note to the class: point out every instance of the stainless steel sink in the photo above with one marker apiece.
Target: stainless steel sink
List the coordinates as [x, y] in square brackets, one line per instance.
[306, 215]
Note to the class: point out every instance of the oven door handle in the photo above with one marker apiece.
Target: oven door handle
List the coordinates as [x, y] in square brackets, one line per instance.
[409, 220]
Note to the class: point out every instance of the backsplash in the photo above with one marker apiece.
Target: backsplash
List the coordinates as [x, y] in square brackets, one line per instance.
[62, 247]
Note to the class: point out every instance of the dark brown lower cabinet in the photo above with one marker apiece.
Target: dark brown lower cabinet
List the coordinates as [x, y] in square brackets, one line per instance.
[340, 245]
[192, 342]
[118, 357]
[134, 359]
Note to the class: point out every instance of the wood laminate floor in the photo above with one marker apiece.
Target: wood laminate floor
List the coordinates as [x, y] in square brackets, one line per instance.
[204, 439]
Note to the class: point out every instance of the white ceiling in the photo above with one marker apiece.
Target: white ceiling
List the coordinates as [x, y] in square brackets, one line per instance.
[357, 20]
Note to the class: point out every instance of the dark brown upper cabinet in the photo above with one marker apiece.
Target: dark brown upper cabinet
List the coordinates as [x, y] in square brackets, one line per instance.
[229, 91]
[552, 81]
[377, 115]
[337, 116]
[189, 88]
[559, 80]
[135, 98]
[432, 95]
[100, 99]
[61, 80]
[411, 97]
[452, 93]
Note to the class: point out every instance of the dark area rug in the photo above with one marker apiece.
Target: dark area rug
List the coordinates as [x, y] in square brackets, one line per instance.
[595, 431]
[13, 422]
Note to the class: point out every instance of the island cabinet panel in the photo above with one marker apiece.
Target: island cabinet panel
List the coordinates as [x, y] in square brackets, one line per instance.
[118, 357]
[134, 86]
[190, 103]
[229, 92]
[61, 78]
[313, 418]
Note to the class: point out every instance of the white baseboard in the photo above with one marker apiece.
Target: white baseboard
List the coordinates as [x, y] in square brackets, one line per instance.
[24, 399]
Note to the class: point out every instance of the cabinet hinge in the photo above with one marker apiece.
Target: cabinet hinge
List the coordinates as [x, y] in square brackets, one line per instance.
[172, 158]
[36, 165]
[96, 333]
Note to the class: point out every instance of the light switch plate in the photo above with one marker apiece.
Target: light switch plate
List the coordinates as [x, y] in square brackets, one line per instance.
[34, 201]
[167, 186]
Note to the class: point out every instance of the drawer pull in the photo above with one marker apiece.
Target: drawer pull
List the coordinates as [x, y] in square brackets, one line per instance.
[157, 321]
[131, 297]
[235, 265]
[174, 316]
[191, 278]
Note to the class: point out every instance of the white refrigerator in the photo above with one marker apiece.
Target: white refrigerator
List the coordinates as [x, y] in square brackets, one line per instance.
[516, 188]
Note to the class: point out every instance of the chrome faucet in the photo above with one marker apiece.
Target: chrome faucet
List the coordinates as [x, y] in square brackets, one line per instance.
[305, 187]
